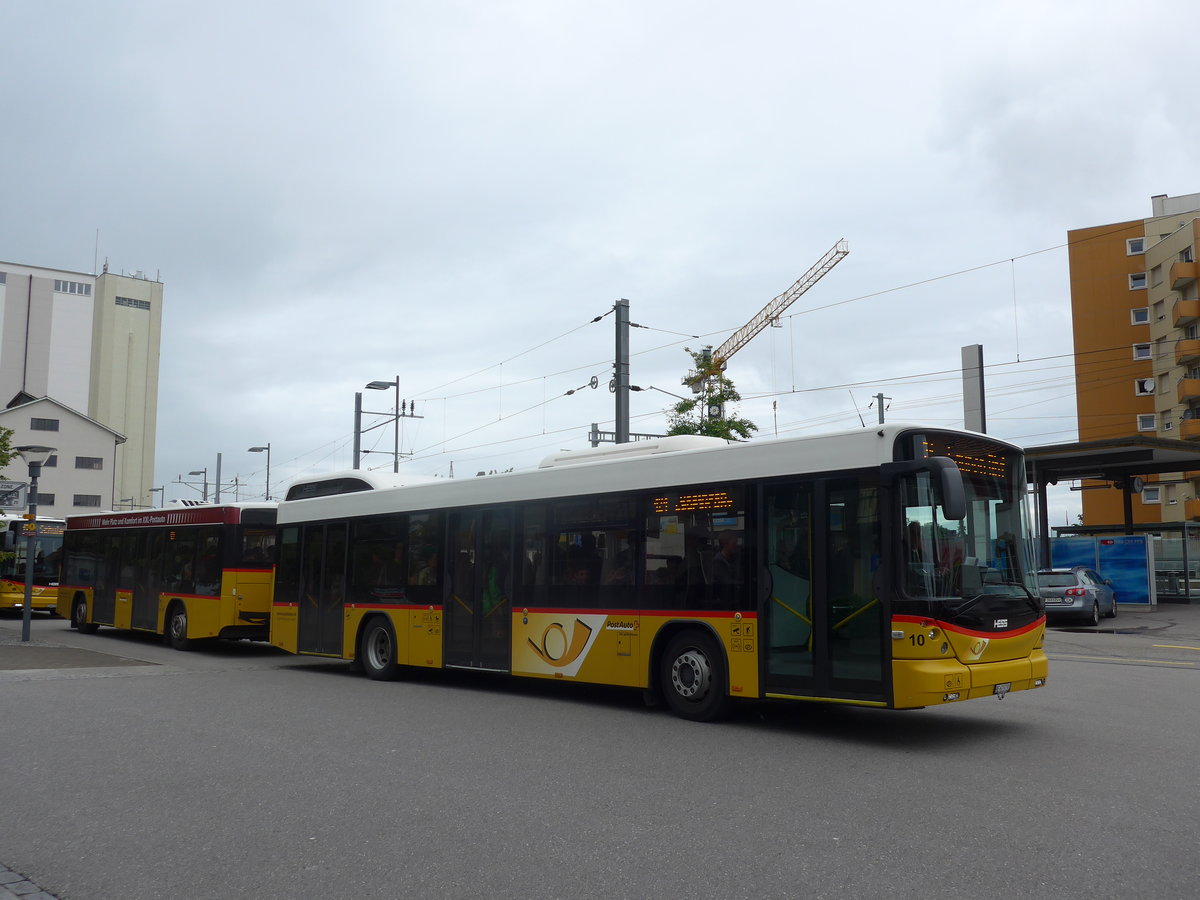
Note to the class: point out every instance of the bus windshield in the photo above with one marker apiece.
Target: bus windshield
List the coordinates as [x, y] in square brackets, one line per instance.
[986, 554]
[47, 551]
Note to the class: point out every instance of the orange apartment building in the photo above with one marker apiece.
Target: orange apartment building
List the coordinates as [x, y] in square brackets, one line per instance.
[1136, 322]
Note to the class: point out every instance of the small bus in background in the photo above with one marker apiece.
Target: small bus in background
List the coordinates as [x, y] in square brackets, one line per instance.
[187, 573]
[47, 550]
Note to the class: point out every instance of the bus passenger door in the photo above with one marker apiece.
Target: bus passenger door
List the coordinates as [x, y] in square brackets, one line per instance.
[823, 615]
[479, 583]
[145, 589]
[104, 589]
[322, 590]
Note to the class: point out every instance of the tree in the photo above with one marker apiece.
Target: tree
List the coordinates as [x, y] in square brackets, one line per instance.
[716, 394]
[6, 450]
[6, 455]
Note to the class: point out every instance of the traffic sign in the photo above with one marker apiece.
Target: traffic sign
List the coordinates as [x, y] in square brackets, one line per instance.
[13, 494]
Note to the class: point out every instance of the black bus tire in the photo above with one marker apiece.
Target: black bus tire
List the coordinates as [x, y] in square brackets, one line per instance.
[175, 631]
[79, 617]
[377, 650]
[693, 677]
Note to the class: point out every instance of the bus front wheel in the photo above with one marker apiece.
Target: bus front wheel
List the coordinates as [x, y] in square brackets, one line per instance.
[693, 677]
[79, 619]
[377, 650]
[176, 630]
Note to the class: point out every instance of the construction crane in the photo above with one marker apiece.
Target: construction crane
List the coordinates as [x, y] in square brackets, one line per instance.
[772, 311]
[769, 314]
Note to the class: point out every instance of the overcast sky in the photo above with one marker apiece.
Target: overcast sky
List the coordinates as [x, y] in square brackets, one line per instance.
[449, 192]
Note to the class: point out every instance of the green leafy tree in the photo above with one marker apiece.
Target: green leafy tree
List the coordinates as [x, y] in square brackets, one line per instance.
[6, 450]
[716, 393]
[6, 455]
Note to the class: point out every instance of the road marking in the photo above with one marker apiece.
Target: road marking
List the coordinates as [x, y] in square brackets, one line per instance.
[1124, 659]
[1174, 647]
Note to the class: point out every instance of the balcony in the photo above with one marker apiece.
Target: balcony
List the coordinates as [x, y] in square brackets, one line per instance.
[1184, 312]
[1188, 389]
[1189, 429]
[1187, 350]
[1191, 510]
[1182, 274]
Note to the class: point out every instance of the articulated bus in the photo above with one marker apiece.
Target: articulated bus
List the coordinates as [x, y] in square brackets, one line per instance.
[47, 549]
[187, 573]
[886, 567]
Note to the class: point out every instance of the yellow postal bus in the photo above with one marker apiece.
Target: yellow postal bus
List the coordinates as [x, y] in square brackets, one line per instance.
[885, 567]
[47, 549]
[187, 572]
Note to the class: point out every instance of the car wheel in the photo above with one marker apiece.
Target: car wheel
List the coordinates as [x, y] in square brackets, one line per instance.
[1094, 618]
[1112, 613]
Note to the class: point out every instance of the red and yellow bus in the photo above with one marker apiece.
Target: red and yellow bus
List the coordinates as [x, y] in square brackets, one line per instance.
[47, 548]
[187, 572]
[884, 567]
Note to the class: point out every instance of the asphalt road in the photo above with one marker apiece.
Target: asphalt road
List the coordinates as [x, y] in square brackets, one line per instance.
[134, 771]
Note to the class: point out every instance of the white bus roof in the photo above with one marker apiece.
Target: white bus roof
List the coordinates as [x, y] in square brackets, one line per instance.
[667, 463]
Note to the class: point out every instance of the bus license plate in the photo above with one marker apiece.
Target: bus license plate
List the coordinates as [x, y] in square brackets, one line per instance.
[1001, 689]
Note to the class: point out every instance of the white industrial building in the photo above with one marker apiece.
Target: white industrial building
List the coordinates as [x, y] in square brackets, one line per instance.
[88, 344]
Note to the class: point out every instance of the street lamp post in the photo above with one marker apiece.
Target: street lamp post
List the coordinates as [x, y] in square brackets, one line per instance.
[34, 456]
[267, 448]
[386, 386]
[203, 472]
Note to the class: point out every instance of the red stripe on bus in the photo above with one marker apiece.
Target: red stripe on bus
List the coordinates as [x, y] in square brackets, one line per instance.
[694, 614]
[970, 632]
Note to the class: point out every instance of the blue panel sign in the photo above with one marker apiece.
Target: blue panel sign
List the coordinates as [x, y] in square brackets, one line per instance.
[1125, 560]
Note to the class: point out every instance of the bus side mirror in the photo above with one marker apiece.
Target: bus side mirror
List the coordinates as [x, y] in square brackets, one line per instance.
[947, 482]
[952, 494]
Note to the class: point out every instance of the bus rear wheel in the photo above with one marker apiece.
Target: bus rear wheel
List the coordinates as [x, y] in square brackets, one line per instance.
[377, 650]
[177, 625]
[693, 677]
[79, 618]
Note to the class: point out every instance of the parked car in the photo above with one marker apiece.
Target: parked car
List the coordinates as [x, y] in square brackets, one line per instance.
[1076, 593]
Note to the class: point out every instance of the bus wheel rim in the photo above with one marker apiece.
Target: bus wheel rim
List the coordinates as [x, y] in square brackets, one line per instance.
[691, 674]
[379, 647]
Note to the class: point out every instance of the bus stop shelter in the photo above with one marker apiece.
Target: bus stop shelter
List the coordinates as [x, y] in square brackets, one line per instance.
[1123, 461]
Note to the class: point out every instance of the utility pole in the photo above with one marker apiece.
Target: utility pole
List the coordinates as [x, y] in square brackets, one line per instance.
[621, 379]
[879, 398]
[357, 426]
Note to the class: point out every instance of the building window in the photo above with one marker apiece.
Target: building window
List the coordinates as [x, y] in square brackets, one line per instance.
[43, 424]
[1168, 424]
[131, 302]
[1141, 351]
[1134, 246]
[86, 500]
[1151, 495]
[52, 462]
[89, 462]
[1143, 387]
[1137, 281]
[72, 287]
[3, 277]
[1145, 422]
[45, 499]
[1185, 255]
[1139, 316]
[1155, 276]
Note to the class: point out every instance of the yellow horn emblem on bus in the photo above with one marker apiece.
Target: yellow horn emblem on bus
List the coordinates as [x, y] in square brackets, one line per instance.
[572, 648]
